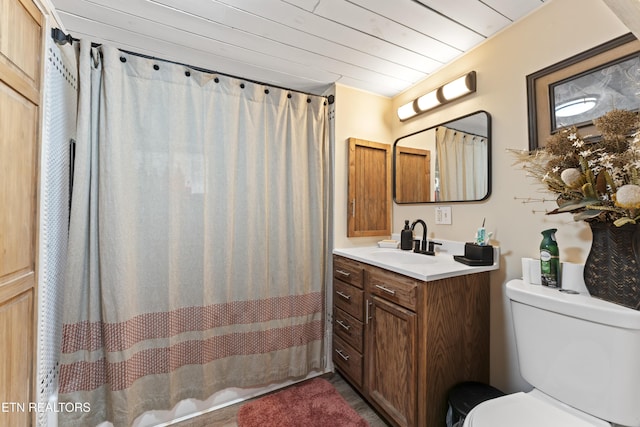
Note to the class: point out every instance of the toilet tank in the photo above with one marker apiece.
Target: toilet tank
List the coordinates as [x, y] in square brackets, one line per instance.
[582, 351]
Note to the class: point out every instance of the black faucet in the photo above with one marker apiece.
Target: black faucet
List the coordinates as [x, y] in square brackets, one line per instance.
[423, 245]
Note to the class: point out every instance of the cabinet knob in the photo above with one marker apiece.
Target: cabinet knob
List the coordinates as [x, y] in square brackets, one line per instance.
[343, 295]
[344, 273]
[341, 354]
[344, 325]
[385, 289]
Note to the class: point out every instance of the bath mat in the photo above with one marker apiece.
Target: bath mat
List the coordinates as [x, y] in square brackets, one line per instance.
[313, 403]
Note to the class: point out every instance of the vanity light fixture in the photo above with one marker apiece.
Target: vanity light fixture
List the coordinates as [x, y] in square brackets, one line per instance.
[455, 89]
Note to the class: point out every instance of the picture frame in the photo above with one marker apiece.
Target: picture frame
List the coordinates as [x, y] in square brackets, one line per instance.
[583, 87]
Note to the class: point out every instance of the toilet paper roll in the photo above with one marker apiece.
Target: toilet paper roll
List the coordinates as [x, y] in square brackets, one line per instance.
[573, 277]
[531, 271]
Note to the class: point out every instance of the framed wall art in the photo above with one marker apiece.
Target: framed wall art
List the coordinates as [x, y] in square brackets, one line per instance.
[584, 87]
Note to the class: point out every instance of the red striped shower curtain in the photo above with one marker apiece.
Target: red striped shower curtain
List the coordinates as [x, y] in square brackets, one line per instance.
[198, 237]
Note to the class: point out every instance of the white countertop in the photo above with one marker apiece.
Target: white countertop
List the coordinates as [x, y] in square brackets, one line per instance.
[419, 266]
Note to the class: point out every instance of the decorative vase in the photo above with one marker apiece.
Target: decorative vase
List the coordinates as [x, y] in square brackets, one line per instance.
[612, 269]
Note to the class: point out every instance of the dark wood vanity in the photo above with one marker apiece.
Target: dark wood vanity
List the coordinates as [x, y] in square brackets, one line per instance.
[403, 343]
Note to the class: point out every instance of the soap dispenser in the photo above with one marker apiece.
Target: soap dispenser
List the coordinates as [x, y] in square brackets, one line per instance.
[549, 259]
[406, 237]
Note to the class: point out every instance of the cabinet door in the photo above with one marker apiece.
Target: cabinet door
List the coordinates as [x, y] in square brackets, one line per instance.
[369, 189]
[391, 360]
[413, 175]
[20, 47]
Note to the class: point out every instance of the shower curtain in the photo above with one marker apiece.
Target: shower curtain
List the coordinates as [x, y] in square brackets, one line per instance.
[198, 237]
[462, 164]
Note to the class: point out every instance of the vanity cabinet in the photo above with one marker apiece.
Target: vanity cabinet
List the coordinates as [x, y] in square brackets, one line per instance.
[419, 339]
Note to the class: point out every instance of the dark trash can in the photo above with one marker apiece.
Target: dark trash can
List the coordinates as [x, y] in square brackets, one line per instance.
[464, 397]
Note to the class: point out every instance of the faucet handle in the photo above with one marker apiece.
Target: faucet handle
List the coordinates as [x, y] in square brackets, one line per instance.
[432, 245]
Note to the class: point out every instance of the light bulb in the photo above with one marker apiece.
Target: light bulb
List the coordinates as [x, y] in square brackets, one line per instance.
[428, 101]
[406, 111]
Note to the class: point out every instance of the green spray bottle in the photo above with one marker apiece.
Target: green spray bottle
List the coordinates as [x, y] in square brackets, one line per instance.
[549, 259]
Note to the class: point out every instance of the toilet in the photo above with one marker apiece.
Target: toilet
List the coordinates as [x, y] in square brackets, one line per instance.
[581, 355]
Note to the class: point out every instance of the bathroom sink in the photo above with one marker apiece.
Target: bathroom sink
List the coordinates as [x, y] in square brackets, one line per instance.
[395, 256]
[418, 266]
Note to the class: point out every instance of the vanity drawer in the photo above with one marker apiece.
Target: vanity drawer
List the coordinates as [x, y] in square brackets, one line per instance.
[348, 360]
[348, 328]
[348, 299]
[348, 271]
[397, 288]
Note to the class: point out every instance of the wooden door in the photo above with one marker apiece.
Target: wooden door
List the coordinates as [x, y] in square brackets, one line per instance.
[369, 189]
[391, 359]
[20, 72]
[413, 175]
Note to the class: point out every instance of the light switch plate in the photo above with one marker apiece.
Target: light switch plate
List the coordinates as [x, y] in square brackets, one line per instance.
[443, 215]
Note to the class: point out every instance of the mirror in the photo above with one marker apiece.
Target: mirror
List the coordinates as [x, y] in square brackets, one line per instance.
[450, 162]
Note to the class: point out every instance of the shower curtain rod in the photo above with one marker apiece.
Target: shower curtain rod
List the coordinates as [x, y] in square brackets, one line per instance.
[463, 131]
[61, 38]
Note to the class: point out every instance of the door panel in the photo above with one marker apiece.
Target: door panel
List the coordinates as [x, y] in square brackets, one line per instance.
[392, 354]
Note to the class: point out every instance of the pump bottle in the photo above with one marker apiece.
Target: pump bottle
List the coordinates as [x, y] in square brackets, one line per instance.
[406, 237]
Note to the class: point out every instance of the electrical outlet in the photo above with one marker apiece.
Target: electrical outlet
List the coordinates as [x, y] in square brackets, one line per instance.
[443, 215]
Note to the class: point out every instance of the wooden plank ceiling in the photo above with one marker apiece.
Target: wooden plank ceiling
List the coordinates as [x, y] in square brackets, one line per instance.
[380, 46]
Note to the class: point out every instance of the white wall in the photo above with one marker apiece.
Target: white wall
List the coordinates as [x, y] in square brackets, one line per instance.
[558, 30]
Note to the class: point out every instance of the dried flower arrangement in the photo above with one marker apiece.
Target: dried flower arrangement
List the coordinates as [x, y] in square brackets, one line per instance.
[595, 180]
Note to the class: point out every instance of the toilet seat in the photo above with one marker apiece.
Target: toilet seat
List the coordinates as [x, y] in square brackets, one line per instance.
[533, 409]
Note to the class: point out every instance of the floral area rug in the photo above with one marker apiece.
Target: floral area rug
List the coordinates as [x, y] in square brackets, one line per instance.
[313, 403]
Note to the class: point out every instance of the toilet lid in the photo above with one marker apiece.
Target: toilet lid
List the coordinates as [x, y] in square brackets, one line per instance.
[527, 410]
